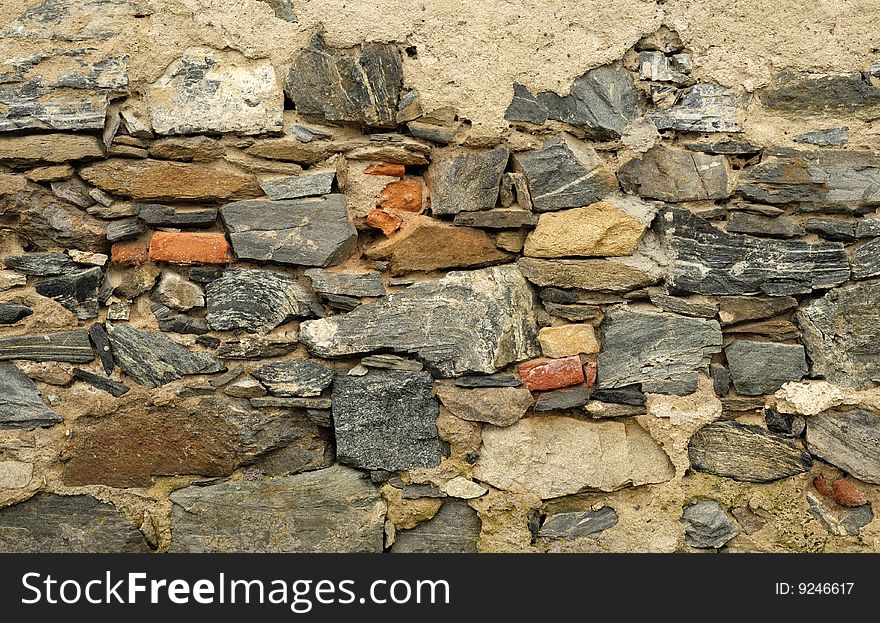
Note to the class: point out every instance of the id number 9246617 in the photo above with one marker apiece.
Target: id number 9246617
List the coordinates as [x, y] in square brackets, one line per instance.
[815, 588]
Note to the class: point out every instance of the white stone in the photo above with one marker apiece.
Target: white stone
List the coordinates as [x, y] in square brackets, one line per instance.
[11, 279]
[463, 488]
[84, 257]
[15, 474]
[808, 397]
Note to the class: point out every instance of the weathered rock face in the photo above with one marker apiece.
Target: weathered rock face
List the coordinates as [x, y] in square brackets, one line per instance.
[800, 93]
[848, 439]
[500, 406]
[600, 275]
[72, 346]
[329, 510]
[677, 175]
[707, 525]
[77, 291]
[466, 181]
[20, 403]
[294, 378]
[574, 525]
[346, 283]
[34, 148]
[552, 456]
[453, 530]
[763, 367]
[596, 230]
[701, 108]
[439, 321]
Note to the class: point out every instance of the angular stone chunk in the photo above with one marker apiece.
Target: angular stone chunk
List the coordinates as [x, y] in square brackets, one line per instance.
[36, 105]
[489, 380]
[596, 275]
[256, 300]
[567, 340]
[386, 420]
[20, 402]
[207, 91]
[70, 346]
[577, 524]
[158, 214]
[49, 523]
[552, 456]
[34, 148]
[294, 378]
[832, 137]
[734, 309]
[439, 321]
[330, 510]
[77, 291]
[465, 180]
[701, 108]
[346, 283]
[865, 260]
[676, 175]
[500, 406]
[596, 230]
[426, 244]
[849, 440]
[746, 453]
[845, 182]
[40, 264]
[800, 93]
[499, 218]
[355, 85]
[757, 225]
[306, 232]
[763, 367]
[253, 348]
[706, 525]
[100, 382]
[644, 347]
[562, 399]
[297, 186]
[654, 65]
[10, 313]
[178, 293]
[152, 359]
[564, 173]
[706, 260]
[453, 530]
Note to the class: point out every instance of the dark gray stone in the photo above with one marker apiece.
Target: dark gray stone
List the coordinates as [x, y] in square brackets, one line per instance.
[256, 300]
[865, 260]
[98, 336]
[465, 180]
[308, 184]
[685, 307]
[838, 231]
[701, 108]
[676, 175]
[178, 323]
[391, 362]
[20, 402]
[204, 274]
[453, 530]
[799, 93]
[499, 218]
[627, 395]
[488, 380]
[707, 260]
[577, 524]
[784, 424]
[643, 347]
[756, 225]
[69, 346]
[77, 292]
[306, 232]
[440, 321]
[168, 216]
[561, 399]
[706, 525]
[746, 453]
[525, 107]
[291, 402]
[849, 440]
[726, 146]
[10, 313]
[283, 9]
[41, 264]
[338, 301]
[294, 378]
[720, 379]
[124, 229]
[100, 382]
[575, 313]
[73, 190]
[386, 420]
[763, 367]
[36, 105]
[358, 85]
[832, 137]
[253, 348]
[346, 284]
[856, 519]
[564, 173]
[152, 359]
[868, 228]
[49, 523]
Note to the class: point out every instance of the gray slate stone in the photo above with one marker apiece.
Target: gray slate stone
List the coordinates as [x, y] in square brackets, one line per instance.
[77, 291]
[292, 402]
[865, 260]
[499, 218]
[386, 420]
[868, 228]
[294, 378]
[562, 399]
[346, 284]
[706, 260]
[706, 525]
[49, 523]
[784, 424]
[678, 305]
[564, 173]
[41, 264]
[69, 346]
[20, 402]
[178, 323]
[764, 226]
[644, 347]
[573, 525]
[151, 359]
[746, 453]
[256, 300]
[440, 321]
[330, 510]
[701, 108]
[306, 232]
[838, 231]
[832, 137]
[465, 180]
[763, 367]
[488, 380]
[283, 9]
[736, 309]
[10, 313]
[309, 184]
[167, 216]
[720, 379]
[800, 93]
[725, 146]
[392, 362]
[676, 175]
[36, 105]
[100, 382]
[124, 229]
[628, 395]
[655, 65]
[849, 440]
[453, 530]
[253, 348]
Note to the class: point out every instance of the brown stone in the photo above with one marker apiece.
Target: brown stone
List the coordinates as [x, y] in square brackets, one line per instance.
[552, 373]
[403, 195]
[501, 406]
[165, 180]
[131, 252]
[594, 275]
[52, 173]
[823, 486]
[187, 148]
[424, 244]
[599, 229]
[382, 220]
[393, 170]
[847, 494]
[567, 340]
[31, 148]
[190, 248]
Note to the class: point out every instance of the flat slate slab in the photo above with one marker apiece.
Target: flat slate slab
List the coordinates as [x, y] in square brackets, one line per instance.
[20, 402]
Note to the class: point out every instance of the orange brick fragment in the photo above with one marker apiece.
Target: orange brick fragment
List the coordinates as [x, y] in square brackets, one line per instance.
[591, 374]
[847, 494]
[380, 219]
[130, 252]
[190, 248]
[823, 486]
[552, 373]
[393, 170]
[402, 195]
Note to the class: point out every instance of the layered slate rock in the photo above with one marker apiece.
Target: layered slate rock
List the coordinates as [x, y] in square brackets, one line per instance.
[601, 275]
[576, 524]
[596, 230]
[294, 378]
[358, 85]
[865, 260]
[849, 440]
[706, 260]
[654, 349]
[386, 420]
[763, 367]
[746, 453]
[676, 175]
[498, 218]
[330, 510]
[76, 291]
[346, 283]
[49, 523]
[306, 232]
[69, 346]
[41, 264]
[552, 456]
[211, 438]
[168, 216]
[841, 332]
[453, 530]
[256, 300]
[799, 93]
[465, 180]
[208, 91]
[706, 525]
[20, 402]
[846, 182]
[36, 148]
[603, 101]
[500, 406]
[152, 359]
[10, 313]
[757, 225]
[701, 108]
[735, 309]
[309, 184]
[564, 173]
[441, 322]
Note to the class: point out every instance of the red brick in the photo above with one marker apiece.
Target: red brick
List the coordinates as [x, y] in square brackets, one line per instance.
[190, 248]
[403, 195]
[552, 373]
[847, 494]
[380, 219]
[393, 170]
[823, 486]
[131, 252]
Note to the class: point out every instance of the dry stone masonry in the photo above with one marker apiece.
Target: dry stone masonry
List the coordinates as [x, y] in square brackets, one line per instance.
[300, 302]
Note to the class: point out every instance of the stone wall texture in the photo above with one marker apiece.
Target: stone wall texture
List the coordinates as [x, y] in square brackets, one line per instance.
[509, 276]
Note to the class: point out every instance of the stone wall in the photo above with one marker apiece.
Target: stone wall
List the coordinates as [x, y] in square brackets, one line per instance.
[326, 276]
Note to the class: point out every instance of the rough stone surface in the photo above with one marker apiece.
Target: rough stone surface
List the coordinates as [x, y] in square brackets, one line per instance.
[806, 93]
[677, 175]
[77, 291]
[702, 108]
[596, 230]
[465, 181]
[552, 373]
[763, 367]
[158, 214]
[500, 406]
[308, 184]
[562, 399]
[177, 293]
[294, 378]
[757, 225]
[849, 440]
[706, 525]
[865, 260]
[34, 148]
[567, 340]
[453, 530]
[40, 264]
[71, 346]
[20, 403]
[599, 275]
[574, 525]
[355, 284]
